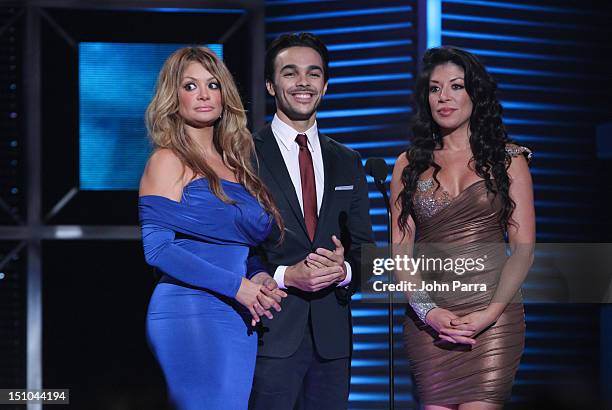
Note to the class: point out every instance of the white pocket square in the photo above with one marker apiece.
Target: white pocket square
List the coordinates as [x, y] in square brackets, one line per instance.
[343, 188]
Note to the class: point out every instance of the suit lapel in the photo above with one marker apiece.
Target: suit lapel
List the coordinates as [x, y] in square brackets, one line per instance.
[329, 164]
[270, 156]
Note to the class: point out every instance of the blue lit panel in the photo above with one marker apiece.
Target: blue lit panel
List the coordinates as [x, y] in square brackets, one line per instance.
[355, 29]
[434, 23]
[516, 6]
[368, 44]
[116, 83]
[342, 13]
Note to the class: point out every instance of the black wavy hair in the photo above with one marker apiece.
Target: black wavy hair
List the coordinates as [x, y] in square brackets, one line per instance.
[295, 40]
[488, 136]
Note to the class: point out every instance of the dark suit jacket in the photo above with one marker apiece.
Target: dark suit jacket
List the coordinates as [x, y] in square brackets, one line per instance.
[345, 213]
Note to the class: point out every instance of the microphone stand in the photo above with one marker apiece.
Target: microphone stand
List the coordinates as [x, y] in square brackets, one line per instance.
[382, 187]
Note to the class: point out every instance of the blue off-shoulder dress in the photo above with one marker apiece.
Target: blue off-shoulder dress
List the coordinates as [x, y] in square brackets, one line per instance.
[198, 332]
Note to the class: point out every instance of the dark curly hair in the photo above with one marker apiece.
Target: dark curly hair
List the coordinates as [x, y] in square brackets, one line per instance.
[488, 137]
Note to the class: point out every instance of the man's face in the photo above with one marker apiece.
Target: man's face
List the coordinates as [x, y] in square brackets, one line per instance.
[298, 83]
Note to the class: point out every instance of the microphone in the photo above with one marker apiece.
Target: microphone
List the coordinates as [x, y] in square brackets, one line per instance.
[377, 169]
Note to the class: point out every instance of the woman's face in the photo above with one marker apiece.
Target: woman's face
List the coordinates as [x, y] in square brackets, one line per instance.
[200, 101]
[450, 104]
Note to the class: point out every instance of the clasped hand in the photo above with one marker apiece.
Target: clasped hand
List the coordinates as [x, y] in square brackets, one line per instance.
[260, 295]
[464, 329]
[318, 270]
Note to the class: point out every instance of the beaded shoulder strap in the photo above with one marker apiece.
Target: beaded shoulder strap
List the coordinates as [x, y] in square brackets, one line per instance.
[516, 150]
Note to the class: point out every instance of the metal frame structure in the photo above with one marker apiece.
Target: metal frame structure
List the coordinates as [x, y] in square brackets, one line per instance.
[35, 229]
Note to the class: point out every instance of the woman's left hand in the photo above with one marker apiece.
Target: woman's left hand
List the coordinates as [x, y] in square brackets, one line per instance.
[478, 320]
[274, 295]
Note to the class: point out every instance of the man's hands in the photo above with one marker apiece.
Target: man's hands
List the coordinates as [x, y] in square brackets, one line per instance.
[310, 279]
[259, 295]
[319, 270]
[323, 258]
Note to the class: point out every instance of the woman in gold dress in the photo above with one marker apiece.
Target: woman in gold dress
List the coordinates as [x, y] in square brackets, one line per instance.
[463, 189]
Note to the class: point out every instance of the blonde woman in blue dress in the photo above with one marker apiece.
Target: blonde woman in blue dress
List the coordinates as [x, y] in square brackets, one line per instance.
[201, 209]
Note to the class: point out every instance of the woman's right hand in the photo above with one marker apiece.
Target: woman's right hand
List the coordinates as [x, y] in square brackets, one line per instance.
[248, 297]
[440, 320]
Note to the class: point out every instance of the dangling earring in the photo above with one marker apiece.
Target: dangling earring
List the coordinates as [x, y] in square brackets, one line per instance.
[435, 138]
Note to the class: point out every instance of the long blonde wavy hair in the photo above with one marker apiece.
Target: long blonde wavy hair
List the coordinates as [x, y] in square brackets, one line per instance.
[231, 136]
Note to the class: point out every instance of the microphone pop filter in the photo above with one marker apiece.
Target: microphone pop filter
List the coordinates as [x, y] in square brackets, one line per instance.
[377, 168]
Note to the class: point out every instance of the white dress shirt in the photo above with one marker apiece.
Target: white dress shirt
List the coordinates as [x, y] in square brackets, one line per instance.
[285, 135]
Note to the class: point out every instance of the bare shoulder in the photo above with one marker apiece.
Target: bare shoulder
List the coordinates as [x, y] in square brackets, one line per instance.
[163, 175]
[396, 178]
[400, 163]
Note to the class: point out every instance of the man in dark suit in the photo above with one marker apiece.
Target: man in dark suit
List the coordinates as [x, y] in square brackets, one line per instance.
[320, 189]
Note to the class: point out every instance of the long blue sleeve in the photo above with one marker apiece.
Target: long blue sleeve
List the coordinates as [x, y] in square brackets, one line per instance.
[161, 252]
[254, 266]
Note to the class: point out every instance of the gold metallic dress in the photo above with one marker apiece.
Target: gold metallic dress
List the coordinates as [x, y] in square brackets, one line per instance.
[448, 373]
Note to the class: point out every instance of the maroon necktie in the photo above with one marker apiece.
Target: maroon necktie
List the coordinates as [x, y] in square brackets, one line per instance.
[309, 188]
